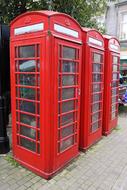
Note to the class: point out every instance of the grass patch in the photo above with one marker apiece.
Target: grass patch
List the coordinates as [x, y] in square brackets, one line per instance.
[117, 128]
[10, 159]
[94, 147]
[122, 109]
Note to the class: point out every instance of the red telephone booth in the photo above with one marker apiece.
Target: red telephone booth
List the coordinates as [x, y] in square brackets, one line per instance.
[45, 85]
[91, 88]
[111, 84]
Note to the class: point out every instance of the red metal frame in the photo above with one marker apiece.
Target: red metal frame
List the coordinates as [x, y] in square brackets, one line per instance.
[42, 141]
[111, 84]
[91, 88]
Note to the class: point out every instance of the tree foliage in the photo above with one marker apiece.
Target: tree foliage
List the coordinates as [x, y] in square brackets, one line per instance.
[84, 11]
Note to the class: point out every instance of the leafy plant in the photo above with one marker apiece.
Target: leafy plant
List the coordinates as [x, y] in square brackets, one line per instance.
[10, 159]
[84, 11]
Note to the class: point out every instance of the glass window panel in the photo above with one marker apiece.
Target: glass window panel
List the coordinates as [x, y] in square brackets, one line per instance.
[97, 67]
[59, 108]
[38, 80]
[68, 93]
[95, 117]
[38, 135]
[68, 80]
[59, 80]
[96, 87]
[115, 76]
[66, 144]
[25, 79]
[27, 65]
[38, 108]
[67, 106]
[28, 144]
[113, 115]
[114, 91]
[27, 93]
[95, 126]
[68, 66]
[17, 116]
[114, 107]
[114, 99]
[97, 58]
[69, 52]
[38, 148]
[115, 60]
[27, 106]
[27, 51]
[59, 94]
[38, 121]
[28, 132]
[96, 97]
[16, 52]
[115, 68]
[95, 107]
[97, 77]
[38, 50]
[115, 84]
[66, 119]
[28, 119]
[38, 65]
[67, 131]
[17, 66]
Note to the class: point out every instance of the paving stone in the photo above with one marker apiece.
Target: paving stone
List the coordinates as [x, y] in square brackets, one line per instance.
[102, 167]
[14, 186]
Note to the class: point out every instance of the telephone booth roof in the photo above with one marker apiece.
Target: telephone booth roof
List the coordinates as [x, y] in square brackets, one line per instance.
[111, 43]
[38, 22]
[93, 38]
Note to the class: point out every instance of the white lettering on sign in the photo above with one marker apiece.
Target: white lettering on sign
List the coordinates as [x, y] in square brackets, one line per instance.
[115, 47]
[28, 29]
[65, 30]
[95, 41]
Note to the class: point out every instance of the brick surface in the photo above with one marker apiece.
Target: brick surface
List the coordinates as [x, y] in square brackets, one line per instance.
[102, 167]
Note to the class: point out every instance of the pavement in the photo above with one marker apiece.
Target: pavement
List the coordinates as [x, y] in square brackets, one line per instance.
[102, 167]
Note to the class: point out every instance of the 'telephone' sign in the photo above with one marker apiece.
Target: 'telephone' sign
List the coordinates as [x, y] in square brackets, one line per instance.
[28, 29]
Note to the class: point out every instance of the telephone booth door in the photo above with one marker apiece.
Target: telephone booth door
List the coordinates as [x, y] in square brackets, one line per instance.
[26, 107]
[111, 84]
[97, 75]
[92, 84]
[69, 55]
[114, 89]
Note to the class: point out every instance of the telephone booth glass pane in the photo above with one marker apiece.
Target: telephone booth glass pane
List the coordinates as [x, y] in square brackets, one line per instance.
[68, 66]
[115, 84]
[68, 93]
[28, 96]
[67, 118]
[68, 79]
[26, 51]
[96, 86]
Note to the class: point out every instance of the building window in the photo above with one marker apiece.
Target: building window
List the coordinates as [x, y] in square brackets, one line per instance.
[123, 26]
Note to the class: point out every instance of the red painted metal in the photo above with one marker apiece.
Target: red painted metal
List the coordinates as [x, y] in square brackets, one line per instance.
[111, 84]
[91, 88]
[45, 85]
